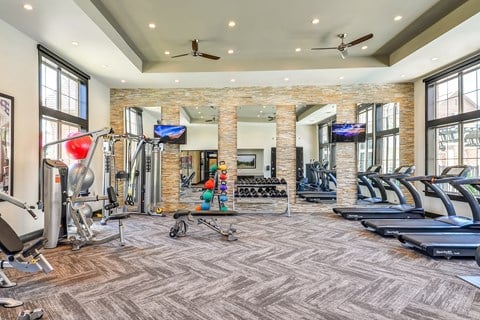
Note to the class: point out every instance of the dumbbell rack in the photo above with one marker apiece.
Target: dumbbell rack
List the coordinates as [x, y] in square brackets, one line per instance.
[261, 199]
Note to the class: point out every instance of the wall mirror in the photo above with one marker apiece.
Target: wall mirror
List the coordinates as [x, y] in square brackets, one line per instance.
[200, 151]
[316, 156]
[256, 141]
[6, 144]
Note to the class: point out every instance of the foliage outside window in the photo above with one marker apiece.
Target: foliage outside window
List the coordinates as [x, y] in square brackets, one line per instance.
[63, 91]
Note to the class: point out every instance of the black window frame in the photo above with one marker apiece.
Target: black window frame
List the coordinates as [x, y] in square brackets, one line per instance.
[62, 67]
[459, 120]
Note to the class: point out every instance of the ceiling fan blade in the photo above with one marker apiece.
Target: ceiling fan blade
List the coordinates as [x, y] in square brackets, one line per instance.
[324, 48]
[360, 40]
[181, 55]
[208, 56]
[195, 45]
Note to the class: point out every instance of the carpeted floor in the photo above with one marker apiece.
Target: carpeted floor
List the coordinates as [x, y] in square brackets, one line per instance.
[308, 266]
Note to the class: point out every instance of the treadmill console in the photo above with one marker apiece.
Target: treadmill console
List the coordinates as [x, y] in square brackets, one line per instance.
[456, 171]
[405, 169]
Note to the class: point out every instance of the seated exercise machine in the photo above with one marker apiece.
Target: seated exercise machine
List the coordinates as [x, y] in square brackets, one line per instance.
[401, 211]
[67, 214]
[183, 219]
[449, 223]
[451, 244]
[26, 259]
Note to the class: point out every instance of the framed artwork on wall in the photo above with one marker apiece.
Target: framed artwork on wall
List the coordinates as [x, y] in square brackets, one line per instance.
[246, 161]
[6, 143]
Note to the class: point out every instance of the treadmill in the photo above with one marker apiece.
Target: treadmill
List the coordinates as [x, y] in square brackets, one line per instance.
[329, 175]
[400, 211]
[370, 179]
[451, 244]
[449, 223]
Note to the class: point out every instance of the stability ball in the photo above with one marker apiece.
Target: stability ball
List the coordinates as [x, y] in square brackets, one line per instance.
[74, 172]
[78, 148]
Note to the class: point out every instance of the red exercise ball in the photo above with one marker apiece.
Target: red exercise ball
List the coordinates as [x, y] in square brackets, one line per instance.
[78, 148]
[222, 176]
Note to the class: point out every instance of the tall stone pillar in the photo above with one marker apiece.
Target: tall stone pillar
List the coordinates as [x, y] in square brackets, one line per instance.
[286, 126]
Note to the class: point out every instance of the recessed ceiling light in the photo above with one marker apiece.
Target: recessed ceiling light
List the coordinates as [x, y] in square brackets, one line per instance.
[261, 111]
[230, 51]
[27, 6]
[402, 75]
[74, 43]
[232, 80]
[315, 21]
[341, 77]
[177, 81]
[298, 49]
[286, 79]
[167, 52]
[104, 66]
[231, 24]
[152, 25]
[397, 18]
[123, 81]
[434, 58]
[364, 47]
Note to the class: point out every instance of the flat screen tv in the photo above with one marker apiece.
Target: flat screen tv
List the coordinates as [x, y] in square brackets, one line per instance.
[170, 133]
[348, 132]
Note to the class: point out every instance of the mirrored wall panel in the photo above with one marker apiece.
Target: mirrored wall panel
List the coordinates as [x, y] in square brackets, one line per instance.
[201, 150]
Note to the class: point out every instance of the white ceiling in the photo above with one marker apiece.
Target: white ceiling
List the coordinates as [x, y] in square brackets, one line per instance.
[115, 43]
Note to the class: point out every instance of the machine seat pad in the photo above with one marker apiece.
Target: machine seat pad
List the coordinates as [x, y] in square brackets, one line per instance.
[10, 243]
[179, 214]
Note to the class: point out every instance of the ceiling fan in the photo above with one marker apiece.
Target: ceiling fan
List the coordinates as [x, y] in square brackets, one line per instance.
[197, 53]
[342, 47]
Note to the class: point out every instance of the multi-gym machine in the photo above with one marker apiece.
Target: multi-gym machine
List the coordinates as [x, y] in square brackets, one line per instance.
[67, 213]
[142, 178]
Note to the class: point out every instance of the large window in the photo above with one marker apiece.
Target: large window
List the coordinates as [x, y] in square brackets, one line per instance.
[326, 149]
[63, 101]
[453, 118]
[382, 142]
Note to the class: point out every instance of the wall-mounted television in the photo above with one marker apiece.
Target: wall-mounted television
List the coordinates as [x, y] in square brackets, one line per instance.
[348, 132]
[170, 133]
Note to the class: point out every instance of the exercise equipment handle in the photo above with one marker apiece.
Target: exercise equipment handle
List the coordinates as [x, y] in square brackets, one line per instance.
[32, 213]
[18, 203]
[42, 262]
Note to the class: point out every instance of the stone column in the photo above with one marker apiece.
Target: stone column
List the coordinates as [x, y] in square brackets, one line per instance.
[286, 126]
[170, 163]
[346, 156]
[227, 144]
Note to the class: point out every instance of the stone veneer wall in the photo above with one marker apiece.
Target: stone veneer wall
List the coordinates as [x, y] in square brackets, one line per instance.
[285, 98]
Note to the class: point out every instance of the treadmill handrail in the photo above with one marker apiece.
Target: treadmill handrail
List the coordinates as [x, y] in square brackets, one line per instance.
[470, 181]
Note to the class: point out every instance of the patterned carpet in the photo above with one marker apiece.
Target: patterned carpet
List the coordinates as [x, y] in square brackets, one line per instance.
[308, 266]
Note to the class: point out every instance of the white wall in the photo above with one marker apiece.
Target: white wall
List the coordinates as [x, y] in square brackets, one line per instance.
[19, 78]
[201, 137]
[252, 137]
[307, 137]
